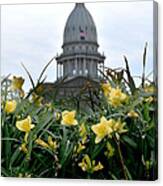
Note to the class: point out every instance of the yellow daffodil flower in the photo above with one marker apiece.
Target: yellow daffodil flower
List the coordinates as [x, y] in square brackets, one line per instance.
[149, 89]
[52, 145]
[89, 166]
[36, 99]
[26, 175]
[118, 128]
[106, 87]
[41, 143]
[16, 85]
[80, 147]
[25, 125]
[10, 106]
[68, 118]
[102, 129]
[83, 133]
[132, 114]
[110, 150]
[23, 148]
[98, 167]
[149, 99]
[117, 97]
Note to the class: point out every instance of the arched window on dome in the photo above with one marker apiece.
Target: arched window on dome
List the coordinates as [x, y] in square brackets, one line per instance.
[74, 72]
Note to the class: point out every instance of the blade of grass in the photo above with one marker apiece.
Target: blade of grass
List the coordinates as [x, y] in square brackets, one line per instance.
[29, 75]
[44, 69]
[144, 63]
[130, 79]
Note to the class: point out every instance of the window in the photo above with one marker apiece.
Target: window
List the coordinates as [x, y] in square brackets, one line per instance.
[74, 72]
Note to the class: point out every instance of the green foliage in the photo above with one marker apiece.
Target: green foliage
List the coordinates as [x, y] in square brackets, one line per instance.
[132, 155]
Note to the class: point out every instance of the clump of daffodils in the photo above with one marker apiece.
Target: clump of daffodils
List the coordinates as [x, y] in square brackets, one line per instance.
[68, 118]
[108, 128]
[115, 96]
[90, 166]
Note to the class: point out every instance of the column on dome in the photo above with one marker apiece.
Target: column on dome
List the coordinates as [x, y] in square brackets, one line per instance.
[71, 67]
[80, 66]
[57, 70]
[91, 68]
[76, 66]
[84, 66]
[68, 68]
[96, 62]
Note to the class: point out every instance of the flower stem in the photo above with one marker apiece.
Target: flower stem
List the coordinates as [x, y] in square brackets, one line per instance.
[121, 159]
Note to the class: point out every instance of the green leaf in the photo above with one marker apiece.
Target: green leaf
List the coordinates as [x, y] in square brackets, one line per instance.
[130, 78]
[129, 141]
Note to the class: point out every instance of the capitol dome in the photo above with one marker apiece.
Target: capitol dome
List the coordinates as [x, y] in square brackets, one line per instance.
[80, 56]
[80, 26]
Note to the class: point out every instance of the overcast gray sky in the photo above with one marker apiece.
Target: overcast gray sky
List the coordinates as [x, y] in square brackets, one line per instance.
[33, 34]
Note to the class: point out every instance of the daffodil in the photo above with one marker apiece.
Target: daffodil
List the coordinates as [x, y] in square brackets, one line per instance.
[118, 128]
[36, 99]
[149, 99]
[52, 145]
[68, 118]
[10, 106]
[26, 175]
[117, 97]
[132, 114]
[41, 143]
[110, 150]
[149, 89]
[106, 87]
[97, 167]
[80, 147]
[102, 129]
[16, 85]
[83, 133]
[90, 166]
[25, 125]
[23, 148]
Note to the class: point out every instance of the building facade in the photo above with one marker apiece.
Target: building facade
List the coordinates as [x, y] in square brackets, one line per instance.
[80, 61]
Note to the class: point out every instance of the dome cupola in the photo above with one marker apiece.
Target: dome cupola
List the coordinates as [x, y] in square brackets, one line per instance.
[80, 26]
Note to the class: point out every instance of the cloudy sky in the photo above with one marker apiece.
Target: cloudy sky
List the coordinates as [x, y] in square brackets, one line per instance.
[33, 34]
